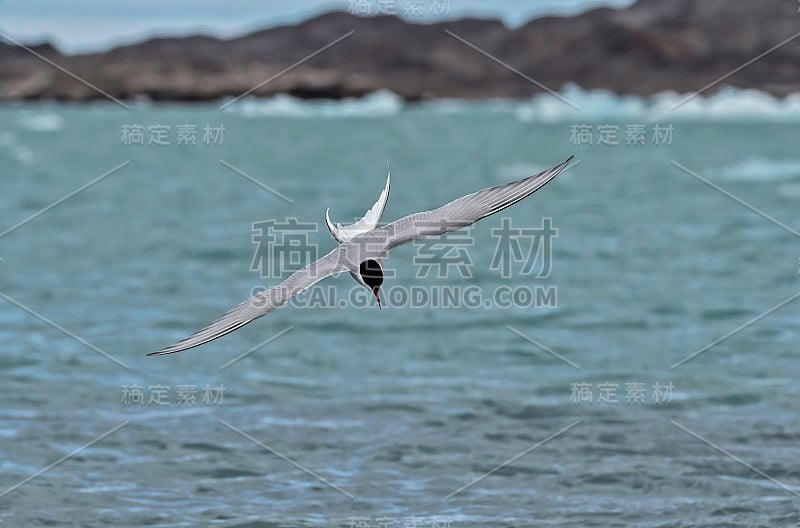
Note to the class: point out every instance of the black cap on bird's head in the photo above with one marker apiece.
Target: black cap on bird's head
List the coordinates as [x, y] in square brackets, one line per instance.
[372, 275]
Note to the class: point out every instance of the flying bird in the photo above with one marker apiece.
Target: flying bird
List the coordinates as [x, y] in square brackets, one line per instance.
[363, 246]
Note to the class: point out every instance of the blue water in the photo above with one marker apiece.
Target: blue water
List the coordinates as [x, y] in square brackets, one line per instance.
[378, 416]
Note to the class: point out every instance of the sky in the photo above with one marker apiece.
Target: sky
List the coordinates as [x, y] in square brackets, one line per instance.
[90, 25]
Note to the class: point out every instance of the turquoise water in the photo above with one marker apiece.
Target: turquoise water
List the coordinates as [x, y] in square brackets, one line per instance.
[379, 416]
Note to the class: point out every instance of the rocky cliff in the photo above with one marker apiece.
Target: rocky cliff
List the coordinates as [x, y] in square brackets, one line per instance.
[652, 46]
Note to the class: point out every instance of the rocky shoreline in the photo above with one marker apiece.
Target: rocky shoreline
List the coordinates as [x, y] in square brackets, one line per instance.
[649, 47]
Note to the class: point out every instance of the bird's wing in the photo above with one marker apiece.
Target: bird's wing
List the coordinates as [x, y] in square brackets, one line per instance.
[343, 233]
[262, 303]
[466, 210]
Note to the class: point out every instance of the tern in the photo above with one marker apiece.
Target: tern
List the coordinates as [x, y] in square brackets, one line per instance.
[363, 247]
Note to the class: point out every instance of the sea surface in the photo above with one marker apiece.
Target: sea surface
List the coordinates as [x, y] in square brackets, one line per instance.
[124, 230]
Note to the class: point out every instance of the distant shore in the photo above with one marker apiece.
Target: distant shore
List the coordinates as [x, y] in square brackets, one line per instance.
[647, 48]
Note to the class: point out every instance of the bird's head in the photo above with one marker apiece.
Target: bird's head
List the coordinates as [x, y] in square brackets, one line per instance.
[372, 277]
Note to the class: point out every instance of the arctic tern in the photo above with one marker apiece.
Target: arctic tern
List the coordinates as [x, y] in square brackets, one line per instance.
[363, 246]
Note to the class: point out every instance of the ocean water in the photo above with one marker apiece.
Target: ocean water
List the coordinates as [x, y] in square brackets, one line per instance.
[419, 414]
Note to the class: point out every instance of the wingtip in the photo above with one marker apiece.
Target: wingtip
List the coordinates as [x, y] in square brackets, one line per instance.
[165, 351]
[385, 190]
[333, 230]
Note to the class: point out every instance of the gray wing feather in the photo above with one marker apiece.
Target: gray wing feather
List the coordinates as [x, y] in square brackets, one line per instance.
[466, 210]
[262, 303]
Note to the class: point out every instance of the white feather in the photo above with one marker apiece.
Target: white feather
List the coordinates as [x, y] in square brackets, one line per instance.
[344, 233]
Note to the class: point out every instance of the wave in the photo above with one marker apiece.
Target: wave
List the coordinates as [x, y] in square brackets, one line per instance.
[21, 153]
[756, 169]
[573, 104]
[47, 122]
[376, 104]
[728, 104]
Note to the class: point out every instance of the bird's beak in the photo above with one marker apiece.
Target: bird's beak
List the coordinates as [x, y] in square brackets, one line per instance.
[376, 291]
